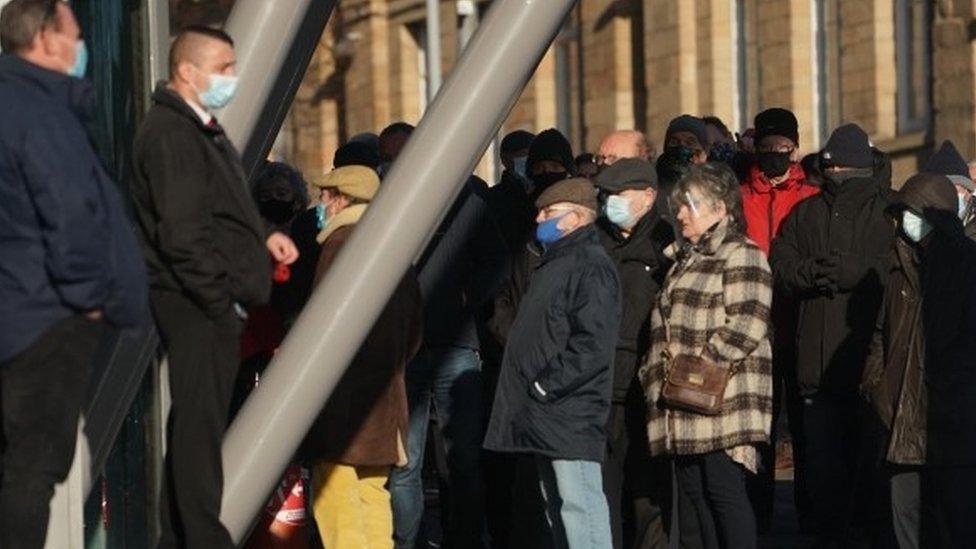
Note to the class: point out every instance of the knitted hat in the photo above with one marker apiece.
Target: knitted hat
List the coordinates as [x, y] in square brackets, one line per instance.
[577, 191]
[776, 121]
[690, 124]
[948, 162]
[848, 147]
[354, 181]
[551, 145]
[517, 141]
[357, 153]
[627, 173]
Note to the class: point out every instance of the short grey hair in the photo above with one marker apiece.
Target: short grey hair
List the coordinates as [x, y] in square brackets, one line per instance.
[21, 20]
[717, 184]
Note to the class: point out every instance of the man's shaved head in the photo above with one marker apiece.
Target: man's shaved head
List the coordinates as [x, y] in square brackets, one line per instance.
[195, 44]
[623, 144]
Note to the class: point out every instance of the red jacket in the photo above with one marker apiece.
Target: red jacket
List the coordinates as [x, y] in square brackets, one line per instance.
[766, 207]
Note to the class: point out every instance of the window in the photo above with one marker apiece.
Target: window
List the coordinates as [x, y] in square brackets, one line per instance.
[913, 58]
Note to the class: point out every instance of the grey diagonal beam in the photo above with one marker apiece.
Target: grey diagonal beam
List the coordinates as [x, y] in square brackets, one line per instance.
[439, 157]
[274, 43]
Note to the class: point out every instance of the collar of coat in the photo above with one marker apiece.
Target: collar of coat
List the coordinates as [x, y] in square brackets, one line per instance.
[172, 100]
[760, 184]
[707, 245]
[76, 93]
[583, 235]
[349, 216]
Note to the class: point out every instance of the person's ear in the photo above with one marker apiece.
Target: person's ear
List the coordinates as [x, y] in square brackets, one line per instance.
[795, 155]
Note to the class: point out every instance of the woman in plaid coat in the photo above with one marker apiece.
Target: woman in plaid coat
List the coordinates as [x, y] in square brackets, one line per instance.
[715, 305]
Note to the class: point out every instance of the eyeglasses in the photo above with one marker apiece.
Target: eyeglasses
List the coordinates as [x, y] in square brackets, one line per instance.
[785, 149]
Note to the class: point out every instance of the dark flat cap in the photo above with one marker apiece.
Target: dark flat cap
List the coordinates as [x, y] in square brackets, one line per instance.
[690, 124]
[577, 191]
[627, 173]
[519, 140]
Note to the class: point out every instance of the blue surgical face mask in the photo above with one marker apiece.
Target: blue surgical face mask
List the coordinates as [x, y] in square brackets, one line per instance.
[519, 165]
[618, 211]
[219, 92]
[81, 60]
[914, 227]
[321, 216]
[548, 232]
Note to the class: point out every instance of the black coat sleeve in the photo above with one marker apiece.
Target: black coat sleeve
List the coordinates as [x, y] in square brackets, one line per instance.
[594, 320]
[792, 270]
[182, 197]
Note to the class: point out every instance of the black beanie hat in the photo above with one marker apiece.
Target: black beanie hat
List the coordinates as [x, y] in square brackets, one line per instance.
[690, 124]
[356, 153]
[848, 147]
[517, 141]
[776, 121]
[551, 145]
[947, 161]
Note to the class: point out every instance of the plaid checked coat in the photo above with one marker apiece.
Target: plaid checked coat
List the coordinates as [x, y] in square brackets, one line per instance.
[717, 301]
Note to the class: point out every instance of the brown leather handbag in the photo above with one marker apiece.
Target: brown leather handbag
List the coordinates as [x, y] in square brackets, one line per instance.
[692, 383]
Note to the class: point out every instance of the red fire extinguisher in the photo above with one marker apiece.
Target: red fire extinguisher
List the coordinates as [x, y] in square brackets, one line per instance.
[284, 524]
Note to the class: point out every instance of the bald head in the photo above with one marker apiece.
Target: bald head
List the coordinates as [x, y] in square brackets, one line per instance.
[623, 144]
[198, 46]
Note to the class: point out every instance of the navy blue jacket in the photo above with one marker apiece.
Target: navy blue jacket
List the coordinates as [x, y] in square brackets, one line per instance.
[66, 245]
[553, 396]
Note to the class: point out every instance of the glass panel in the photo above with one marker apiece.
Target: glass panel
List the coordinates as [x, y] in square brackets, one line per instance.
[183, 13]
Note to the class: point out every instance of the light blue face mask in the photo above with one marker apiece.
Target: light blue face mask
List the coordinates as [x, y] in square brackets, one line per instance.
[963, 208]
[618, 211]
[220, 91]
[81, 60]
[519, 166]
[914, 227]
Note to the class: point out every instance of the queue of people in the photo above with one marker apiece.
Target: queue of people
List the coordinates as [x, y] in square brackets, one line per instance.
[604, 341]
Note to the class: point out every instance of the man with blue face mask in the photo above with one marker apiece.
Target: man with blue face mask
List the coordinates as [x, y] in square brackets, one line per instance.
[634, 235]
[553, 395]
[209, 256]
[70, 268]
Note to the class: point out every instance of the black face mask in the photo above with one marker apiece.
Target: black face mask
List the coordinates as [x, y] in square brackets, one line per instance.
[839, 178]
[773, 164]
[545, 180]
[276, 211]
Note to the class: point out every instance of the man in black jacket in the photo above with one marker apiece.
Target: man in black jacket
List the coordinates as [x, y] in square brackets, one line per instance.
[553, 397]
[634, 235]
[207, 251]
[831, 255]
[69, 261]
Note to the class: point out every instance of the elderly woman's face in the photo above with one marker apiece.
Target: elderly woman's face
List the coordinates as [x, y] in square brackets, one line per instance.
[697, 214]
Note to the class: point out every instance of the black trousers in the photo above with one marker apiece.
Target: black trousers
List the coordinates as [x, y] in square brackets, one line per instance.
[202, 368]
[42, 391]
[715, 486]
[833, 429]
[948, 507]
[638, 488]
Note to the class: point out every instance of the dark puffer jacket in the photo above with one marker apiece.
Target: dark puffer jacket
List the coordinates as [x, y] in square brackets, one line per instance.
[553, 397]
[846, 225]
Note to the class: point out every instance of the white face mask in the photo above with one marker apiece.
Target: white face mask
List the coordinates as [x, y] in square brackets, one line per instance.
[963, 209]
[914, 227]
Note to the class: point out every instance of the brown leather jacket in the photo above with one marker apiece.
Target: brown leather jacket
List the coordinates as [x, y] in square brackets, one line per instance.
[365, 420]
[894, 373]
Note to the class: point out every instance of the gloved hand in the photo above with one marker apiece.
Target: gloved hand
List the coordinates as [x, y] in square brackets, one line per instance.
[826, 271]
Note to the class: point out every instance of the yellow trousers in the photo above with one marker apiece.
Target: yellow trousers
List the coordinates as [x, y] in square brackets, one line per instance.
[352, 506]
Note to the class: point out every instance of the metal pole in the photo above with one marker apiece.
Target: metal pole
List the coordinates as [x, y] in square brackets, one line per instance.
[274, 43]
[433, 49]
[458, 126]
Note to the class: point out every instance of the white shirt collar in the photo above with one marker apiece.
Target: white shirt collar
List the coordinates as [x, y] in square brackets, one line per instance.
[205, 116]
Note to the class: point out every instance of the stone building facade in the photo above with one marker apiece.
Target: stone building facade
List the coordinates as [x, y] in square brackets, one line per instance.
[903, 69]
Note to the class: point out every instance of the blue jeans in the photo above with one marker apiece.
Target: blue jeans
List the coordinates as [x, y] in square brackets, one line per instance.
[451, 377]
[576, 507]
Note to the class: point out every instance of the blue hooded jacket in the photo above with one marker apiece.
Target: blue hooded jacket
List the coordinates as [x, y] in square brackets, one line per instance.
[66, 244]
